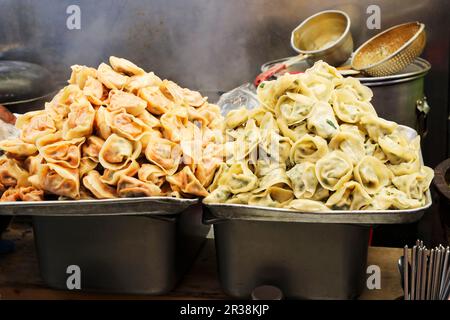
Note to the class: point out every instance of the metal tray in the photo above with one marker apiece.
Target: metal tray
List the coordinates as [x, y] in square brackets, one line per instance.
[255, 213]
[106, 207]
[366, 217]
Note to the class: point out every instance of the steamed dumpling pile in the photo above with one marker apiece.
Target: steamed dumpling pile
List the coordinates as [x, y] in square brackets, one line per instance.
[114, 131]
[315, 144]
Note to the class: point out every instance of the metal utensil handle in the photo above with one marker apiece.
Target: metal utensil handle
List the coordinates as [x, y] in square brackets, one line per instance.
[277, 68]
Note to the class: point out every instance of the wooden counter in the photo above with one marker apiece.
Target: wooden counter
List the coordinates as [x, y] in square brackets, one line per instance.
[19, 275]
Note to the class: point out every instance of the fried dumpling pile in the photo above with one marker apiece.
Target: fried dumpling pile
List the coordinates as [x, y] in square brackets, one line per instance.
[114, 131]
[316, 143]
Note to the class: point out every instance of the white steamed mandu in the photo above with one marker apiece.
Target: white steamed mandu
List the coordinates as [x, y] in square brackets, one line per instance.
[317, 144]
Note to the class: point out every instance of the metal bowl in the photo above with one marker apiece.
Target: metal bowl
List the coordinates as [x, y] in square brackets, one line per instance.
[324, 36]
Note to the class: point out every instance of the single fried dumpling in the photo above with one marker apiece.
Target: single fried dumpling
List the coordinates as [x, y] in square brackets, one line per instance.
[91, 148]
[294, 107]
[92, 181]
[172, 91]
[151, 135]
[239, 178]
[126, 125]
[193, 98]
[12, 174]
[311, 148]
[80, 74]
[211, 113]
[372, 174]
[303, 179]
[273, 197]
[18, 148]
[186, 181]
[117, 152]
[32, 163]
[57, 180]
[205, 169]
[101, 126]
[58, 107]
[149, 120]
[333, 170]
[63, 152]
[152, 173]
[350, 143]
[123, 100]
[86, 165]
[322, 120]
[94, 91]
[415, 184]
[376, 127]
[350, 196]
[164, 153]
[11, 194]
[157, 102]
[137, 82]
[31, 194]
[34, 124]
[124, 66]
[80, 120]
[173, 122]
[132, 187]
[110, 78]
[111, 177]
[306, 205]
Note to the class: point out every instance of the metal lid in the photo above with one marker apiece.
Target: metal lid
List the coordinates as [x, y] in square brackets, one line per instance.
[415, 70]
[23, 81]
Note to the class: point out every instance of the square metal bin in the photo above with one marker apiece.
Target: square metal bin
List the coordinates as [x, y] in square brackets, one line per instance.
[304, 260]
[140, 253]
[307, 255]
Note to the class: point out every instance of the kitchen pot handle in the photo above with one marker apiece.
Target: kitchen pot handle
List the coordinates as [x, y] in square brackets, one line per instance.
[439, 178]
[422, 110]
[208, 218]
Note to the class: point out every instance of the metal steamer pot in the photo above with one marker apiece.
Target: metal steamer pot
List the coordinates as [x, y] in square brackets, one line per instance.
[399, 97]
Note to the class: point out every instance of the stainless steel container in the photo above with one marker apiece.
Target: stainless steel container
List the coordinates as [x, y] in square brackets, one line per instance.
[399, 97]
[131, 246]
[304, 260]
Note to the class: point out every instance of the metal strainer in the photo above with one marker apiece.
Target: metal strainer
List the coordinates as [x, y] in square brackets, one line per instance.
[390, 51]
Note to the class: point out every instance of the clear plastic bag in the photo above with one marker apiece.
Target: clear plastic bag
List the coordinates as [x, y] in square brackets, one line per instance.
[244, 95]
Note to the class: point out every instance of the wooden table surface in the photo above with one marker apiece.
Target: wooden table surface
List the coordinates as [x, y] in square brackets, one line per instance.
[19, 275]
